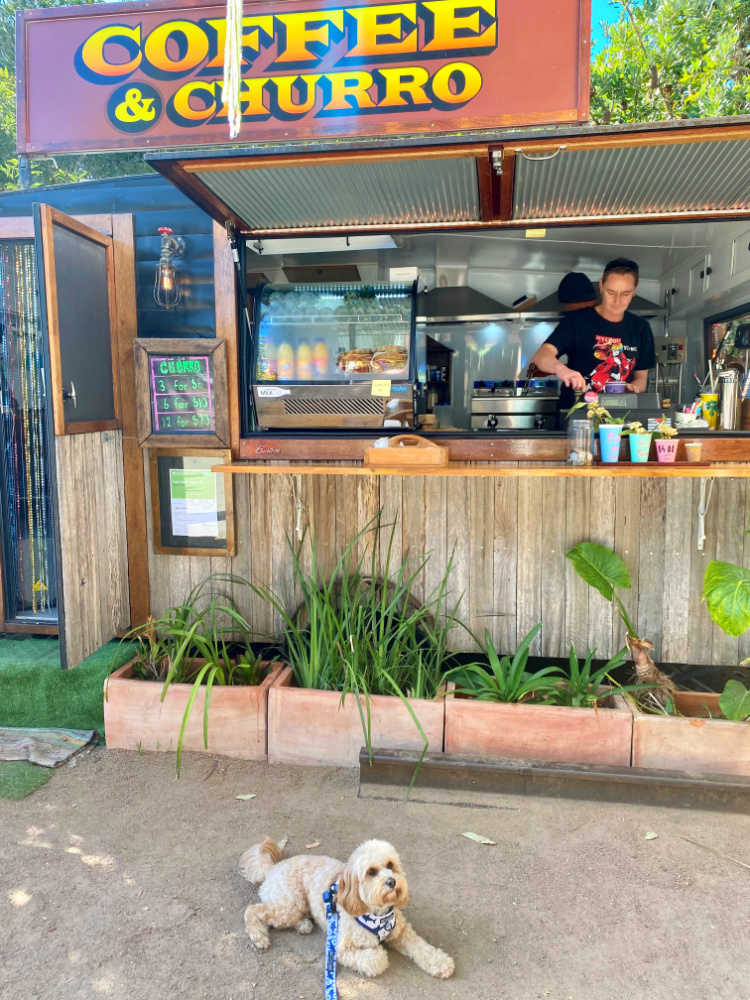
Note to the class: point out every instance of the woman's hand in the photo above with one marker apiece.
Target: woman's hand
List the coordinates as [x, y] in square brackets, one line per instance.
[571, 378]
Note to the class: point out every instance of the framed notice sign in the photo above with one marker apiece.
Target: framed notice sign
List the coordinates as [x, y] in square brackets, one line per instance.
[193, 508]
[181, 392]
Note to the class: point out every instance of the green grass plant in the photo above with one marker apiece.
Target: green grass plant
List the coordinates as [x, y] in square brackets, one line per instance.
[197, 643]
[507, 680]
[360, 628]
[585, 687]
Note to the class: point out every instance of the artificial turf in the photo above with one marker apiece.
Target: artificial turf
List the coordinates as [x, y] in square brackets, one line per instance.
[18, 778]
[35, 693]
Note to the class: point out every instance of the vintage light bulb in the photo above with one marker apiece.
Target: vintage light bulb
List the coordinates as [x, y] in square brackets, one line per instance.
[167, 291]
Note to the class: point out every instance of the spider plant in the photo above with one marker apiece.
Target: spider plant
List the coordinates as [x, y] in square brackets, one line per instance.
[508, 680]
[194, 644]
[583, 688]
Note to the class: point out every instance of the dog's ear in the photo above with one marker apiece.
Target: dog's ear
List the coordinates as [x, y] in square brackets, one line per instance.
[348, 897]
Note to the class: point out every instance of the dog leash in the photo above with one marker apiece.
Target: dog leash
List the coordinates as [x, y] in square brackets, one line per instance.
[332, 934]
[380, 925]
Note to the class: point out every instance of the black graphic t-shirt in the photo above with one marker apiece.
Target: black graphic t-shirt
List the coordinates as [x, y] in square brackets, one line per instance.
[602, 351]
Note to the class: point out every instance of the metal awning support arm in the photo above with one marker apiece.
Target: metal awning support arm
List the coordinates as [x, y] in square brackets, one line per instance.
[707, 487]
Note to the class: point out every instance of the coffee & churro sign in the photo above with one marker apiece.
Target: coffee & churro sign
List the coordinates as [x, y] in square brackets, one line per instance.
[149, 75]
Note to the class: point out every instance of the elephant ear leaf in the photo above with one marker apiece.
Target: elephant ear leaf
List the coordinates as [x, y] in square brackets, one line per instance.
[600, 567]
[726, 591]
[734, 701]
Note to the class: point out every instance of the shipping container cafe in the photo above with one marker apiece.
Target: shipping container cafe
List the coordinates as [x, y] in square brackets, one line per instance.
[195, 361]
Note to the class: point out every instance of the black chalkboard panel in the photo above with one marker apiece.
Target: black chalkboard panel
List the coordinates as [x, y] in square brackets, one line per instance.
[83, 317]
[181, 392]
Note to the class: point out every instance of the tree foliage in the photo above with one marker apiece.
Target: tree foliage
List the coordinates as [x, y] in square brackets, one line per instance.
[45, 170]
[669, 59]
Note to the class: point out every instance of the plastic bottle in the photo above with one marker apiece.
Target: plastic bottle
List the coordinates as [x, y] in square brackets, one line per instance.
[285, 361]
[320, 359]
[304, 361]
[267, 364]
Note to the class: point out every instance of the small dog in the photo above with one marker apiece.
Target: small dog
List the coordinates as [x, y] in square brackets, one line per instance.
[372, 891]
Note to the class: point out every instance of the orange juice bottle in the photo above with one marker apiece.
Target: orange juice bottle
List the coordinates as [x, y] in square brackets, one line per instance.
[267, 370]
[320, 359]
[285, 362]
[304, 361]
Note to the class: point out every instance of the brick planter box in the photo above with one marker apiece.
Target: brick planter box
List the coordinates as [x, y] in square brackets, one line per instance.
[540, 732]
[312, 727]
[135, 718]
[706, 745]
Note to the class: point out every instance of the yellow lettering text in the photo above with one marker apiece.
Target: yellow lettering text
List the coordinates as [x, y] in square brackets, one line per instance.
[378, 30]
[400, 84]
[451, 30]
[298, 31]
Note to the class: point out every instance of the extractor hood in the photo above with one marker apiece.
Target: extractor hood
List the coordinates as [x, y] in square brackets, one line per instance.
[460, 304]
[552, 308]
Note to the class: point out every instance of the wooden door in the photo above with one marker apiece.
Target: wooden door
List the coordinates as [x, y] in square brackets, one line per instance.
[79, 318]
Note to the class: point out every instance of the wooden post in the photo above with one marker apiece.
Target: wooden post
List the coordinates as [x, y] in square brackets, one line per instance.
[226, 327]
[135, 486]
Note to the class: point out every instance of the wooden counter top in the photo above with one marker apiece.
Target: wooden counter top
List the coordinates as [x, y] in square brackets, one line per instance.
[542, 447]
[526, 469]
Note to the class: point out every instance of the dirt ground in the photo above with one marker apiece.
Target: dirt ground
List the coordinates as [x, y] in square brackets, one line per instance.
[120, 882]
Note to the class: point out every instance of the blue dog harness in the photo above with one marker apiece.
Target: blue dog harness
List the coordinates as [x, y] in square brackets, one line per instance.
[378, 924]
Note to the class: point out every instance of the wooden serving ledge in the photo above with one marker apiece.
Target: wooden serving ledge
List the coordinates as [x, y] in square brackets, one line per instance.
[615, 471]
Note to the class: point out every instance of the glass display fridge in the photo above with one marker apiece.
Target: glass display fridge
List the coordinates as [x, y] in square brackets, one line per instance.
[334, 356]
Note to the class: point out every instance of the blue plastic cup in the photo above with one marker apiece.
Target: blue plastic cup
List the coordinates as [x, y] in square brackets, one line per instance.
[640, 446]
[609, 441]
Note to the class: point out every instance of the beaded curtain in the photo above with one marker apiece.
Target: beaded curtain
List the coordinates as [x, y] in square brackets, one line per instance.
[30, 580]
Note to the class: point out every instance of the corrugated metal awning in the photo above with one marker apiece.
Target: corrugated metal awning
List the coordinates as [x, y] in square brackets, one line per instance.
[675, 178]
[364, 193]
[678, 170]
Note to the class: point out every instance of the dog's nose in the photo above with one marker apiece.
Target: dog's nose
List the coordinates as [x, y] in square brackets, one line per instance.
[391, 883]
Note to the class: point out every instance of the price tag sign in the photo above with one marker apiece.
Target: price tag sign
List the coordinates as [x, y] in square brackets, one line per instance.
[381, 387]
[181, 394]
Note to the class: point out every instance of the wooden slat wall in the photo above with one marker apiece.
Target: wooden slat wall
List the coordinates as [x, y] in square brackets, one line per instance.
[508, 539]
[91, 494]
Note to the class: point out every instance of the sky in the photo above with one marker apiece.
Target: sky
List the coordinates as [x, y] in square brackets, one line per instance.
[601, 10]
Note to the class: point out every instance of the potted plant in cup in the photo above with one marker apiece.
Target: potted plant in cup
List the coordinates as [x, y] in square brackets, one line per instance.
[666, 442]
[640, 441]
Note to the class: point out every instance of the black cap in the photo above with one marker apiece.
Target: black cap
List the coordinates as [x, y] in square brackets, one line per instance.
[576, 287]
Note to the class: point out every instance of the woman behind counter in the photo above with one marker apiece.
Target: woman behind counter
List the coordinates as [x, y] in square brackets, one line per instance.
[603, 343]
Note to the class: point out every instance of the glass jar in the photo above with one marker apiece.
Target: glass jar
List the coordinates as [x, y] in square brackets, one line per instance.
[580, 442]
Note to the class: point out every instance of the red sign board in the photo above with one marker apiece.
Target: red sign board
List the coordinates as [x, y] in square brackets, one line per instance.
[149, 75]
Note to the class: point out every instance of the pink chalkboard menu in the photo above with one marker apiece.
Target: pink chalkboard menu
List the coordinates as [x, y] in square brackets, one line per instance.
[181, 394]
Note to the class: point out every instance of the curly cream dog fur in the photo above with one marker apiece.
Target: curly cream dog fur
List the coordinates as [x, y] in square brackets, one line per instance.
[372, 881]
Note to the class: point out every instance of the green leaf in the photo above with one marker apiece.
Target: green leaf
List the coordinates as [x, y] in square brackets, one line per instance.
[479, 839]
[734, 701]
[600, 567]
[726, 591]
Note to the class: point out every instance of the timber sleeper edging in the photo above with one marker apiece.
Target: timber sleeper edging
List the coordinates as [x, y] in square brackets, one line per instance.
[459, 775]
